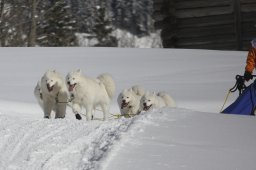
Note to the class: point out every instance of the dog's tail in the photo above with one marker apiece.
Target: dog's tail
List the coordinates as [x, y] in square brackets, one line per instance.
[138, 90]
[169, 101]
[109, 84]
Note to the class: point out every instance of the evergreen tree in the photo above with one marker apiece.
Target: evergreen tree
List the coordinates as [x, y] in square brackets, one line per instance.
[58, 27]
[133, 15]
[13, 22]
[55, 22]
[103, 29]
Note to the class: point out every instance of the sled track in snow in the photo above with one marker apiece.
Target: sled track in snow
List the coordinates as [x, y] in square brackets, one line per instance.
[57, 144]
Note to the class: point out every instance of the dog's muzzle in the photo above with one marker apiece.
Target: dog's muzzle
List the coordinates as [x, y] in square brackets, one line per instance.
[124, 104]
[50, 88]
[71, 86]
[146, 108]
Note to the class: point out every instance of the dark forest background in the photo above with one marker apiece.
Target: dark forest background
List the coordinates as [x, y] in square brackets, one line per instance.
[62, 22]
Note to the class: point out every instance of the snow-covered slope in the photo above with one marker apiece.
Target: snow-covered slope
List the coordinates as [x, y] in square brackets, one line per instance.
[192, 136]
[56, 144]
[182, 139]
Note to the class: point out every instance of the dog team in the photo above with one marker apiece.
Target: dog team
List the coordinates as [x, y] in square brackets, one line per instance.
[54, 93]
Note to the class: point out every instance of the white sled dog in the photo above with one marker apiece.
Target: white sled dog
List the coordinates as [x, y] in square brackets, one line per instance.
[52, 94]
[159, 100]
[129, 100]
[90, 93]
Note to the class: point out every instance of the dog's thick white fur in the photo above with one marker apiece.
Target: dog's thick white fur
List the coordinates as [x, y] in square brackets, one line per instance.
[38, 94]
[159, 100]
[52, 94]
[129, 100]
[90, 93]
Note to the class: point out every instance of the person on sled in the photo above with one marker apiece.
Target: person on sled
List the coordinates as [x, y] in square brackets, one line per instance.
[250, 62]
[245, 104]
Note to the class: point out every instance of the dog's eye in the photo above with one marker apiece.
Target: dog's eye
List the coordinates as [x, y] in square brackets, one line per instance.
[149, 100]
[73, 78]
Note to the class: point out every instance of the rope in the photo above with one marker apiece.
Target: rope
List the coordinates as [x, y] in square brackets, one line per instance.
[239, 85]
[117, 116]
[226, 98]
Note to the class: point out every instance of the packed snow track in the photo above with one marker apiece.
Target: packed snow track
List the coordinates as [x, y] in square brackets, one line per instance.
[56, 144]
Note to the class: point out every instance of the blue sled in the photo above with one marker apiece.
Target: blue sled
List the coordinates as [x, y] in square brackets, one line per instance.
[245, 104]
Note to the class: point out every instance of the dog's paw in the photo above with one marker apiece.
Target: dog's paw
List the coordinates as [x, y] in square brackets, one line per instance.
[78, 117]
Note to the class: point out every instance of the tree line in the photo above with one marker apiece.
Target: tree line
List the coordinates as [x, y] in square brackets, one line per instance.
[56, 22]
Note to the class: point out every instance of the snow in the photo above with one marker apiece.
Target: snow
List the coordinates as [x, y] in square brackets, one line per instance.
[183, 139]
[124, 39]
[192, 136]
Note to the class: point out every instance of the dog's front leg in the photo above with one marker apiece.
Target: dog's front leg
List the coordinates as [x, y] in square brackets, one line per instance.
[60, 110]
[77, 110]
[61, 104]
[47, 107]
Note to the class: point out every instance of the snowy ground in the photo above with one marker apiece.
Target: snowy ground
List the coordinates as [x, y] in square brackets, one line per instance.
[192, 136]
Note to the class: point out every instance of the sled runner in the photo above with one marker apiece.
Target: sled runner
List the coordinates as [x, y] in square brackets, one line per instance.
[245, 104]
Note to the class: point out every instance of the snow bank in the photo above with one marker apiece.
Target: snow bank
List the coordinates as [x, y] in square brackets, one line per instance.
[56, 144]
[181, 139]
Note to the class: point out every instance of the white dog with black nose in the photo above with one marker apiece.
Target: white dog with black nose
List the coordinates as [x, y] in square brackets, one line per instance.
[159, 100]
[89, 93]
[52, 94]
[129, 100]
